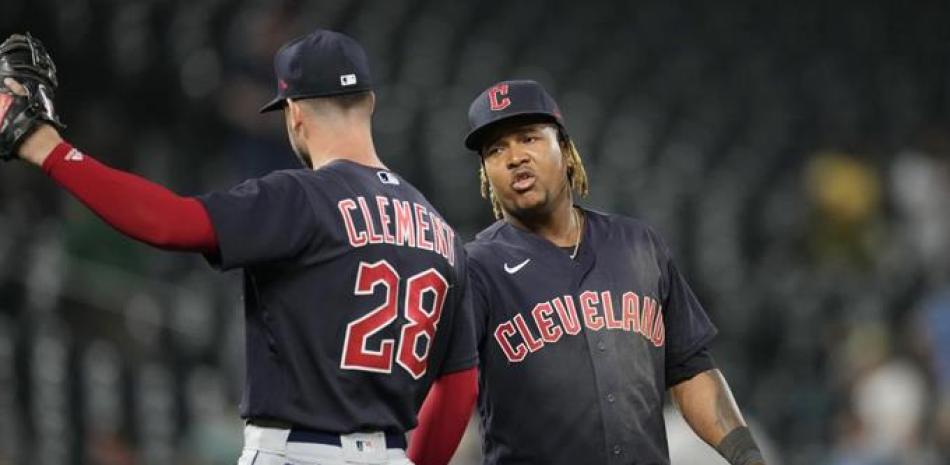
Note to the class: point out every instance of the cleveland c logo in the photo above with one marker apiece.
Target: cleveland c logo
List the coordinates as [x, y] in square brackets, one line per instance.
[501, 90]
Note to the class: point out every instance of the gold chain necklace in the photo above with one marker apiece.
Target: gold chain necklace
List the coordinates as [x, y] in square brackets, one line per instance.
[577, 226]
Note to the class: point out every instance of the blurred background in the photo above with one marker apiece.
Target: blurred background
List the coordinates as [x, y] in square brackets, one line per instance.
[795, 155]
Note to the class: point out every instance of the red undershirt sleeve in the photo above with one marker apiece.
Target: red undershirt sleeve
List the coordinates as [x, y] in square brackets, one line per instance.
[443, 417]
[136, 207]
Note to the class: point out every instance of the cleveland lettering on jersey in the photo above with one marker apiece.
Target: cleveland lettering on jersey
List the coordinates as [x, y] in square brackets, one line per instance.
[551, 320]
[389, 220]
[574, 359]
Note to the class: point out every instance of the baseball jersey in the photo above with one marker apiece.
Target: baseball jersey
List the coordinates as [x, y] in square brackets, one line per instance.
[353, 294]
[574, 354]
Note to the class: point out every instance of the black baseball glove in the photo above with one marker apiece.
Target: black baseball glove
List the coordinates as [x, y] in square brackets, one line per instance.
[24, 59]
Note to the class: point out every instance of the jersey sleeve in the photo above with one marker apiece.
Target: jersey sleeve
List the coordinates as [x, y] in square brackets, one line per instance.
[462, 352]
[260, 220]
[688, 327]
[693, 365]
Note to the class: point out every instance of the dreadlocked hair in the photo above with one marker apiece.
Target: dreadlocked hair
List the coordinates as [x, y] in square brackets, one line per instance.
[576, 175]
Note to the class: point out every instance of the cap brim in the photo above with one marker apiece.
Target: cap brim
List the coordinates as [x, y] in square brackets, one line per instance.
[473, 141]
[280, 101]
[275, 104]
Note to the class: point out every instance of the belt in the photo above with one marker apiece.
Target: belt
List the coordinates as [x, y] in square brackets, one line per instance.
[298, 434]
[393, 441]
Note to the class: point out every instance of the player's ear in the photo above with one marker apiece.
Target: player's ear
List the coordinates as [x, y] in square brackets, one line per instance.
[561, 138]
[293, 114]
[570, 170]
[569, 164]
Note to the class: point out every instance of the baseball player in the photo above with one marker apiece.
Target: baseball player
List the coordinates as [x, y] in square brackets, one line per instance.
[353, 282]
[582, 319]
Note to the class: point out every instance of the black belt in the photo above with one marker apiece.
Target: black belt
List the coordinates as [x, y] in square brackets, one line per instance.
[298, 434]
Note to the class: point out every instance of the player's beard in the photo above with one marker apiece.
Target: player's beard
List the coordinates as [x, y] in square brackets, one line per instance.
[540, 210]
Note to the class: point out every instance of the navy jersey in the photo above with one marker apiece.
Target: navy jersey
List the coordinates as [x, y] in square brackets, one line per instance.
[574, 354]
[353, 292]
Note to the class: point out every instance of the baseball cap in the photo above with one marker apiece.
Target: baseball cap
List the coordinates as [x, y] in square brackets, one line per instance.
[320, 64]
[505, 100]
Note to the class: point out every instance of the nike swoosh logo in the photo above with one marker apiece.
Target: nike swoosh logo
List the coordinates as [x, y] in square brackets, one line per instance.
[514, 269]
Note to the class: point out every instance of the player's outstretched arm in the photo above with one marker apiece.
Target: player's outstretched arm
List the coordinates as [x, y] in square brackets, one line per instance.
[709, 408]
[136, 207]
[443, 417]
[28, 121]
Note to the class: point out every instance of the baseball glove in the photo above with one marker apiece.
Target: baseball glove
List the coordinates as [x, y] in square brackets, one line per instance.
[24, 59]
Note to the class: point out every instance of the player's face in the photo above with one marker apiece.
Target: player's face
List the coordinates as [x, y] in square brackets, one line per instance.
[525, 166]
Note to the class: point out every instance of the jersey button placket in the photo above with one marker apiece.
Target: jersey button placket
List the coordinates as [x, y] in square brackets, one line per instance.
[618, 450]
[601, 346]
[610, 397]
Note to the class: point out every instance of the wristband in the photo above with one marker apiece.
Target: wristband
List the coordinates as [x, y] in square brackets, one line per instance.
[739, 448]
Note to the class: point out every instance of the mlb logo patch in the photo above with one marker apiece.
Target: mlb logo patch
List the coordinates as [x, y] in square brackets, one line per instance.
[364, 446]
[387, 178]
[347, 80]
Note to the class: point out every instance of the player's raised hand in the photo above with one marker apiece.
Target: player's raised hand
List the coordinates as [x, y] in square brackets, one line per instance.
[27, 86]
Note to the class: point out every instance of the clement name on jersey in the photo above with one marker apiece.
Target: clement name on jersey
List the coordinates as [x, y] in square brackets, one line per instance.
[389, 220]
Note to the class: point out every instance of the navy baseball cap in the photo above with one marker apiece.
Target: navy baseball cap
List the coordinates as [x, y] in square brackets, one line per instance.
[320, 64]
[505, 100]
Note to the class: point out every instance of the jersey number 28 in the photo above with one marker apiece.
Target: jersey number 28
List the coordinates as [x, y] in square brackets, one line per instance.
[422, 322]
